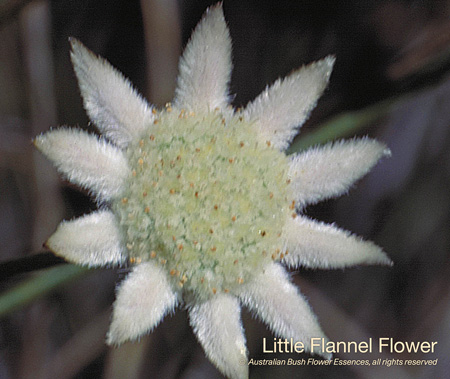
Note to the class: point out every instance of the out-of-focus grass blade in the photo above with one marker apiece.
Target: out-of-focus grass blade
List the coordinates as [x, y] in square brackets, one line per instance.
[343, 125]
[38, 285]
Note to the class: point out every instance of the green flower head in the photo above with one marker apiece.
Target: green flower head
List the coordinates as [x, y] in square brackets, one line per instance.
[202, 201]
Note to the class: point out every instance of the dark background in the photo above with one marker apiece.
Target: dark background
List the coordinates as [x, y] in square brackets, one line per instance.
[386, 50]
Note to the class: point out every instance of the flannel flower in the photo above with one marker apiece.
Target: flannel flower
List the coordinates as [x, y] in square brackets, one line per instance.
[201, 200]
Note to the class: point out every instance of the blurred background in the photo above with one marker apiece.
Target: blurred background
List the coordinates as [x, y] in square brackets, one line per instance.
[391, 81]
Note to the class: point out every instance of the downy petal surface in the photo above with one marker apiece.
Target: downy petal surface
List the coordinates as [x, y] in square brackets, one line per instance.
[315, 244]
[143, 299]
[280, 110]
[205, 67]
[277, 302]
[85, 160]
[328, 171]
[109, 99]
[217, 325]
[101, 244]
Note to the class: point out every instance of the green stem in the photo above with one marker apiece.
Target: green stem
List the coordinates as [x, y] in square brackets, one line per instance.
[37, 286]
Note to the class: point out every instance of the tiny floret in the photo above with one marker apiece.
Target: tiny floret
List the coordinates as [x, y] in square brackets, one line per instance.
[202, 202]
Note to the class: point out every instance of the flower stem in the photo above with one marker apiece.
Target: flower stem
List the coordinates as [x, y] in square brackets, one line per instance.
[37, 286]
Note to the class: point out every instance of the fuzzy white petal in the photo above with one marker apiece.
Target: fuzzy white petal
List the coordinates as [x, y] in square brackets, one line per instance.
[277, 302]
[218, 327]
[282, 108]
[112, 104]
[143, 299]
[205, 67]
[85, 160]
[91, 240]
[317, 245]
[327, 171]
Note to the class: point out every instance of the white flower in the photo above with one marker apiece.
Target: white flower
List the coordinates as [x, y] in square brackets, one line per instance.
[202, 201]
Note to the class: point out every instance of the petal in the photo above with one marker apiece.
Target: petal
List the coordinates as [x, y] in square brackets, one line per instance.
[92, 240]
[282, 108]
[205, 67]
[317, 245]
[119, 112]
[218, 327]
[85, 160]
[277, 302]
[143, 299]
[330, 170]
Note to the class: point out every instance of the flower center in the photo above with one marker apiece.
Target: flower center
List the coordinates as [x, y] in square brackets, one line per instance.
[205, 200]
